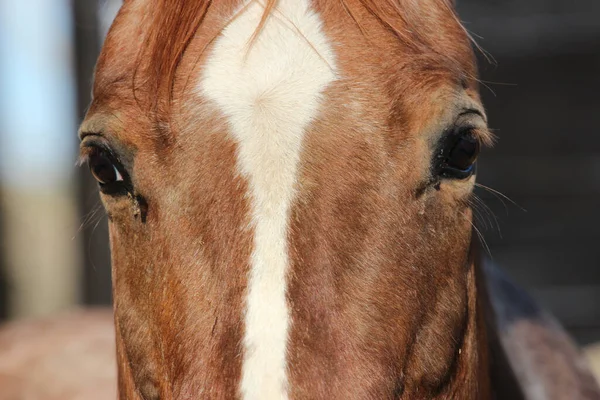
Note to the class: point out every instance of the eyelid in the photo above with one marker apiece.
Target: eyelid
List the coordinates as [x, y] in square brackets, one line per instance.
[473, 122]
[91, 143]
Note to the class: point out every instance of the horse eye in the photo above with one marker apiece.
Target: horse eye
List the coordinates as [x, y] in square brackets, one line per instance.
[104, 170]
[464, 153]
[458, 156]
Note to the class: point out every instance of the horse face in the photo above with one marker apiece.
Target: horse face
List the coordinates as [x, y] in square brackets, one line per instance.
[289, 214]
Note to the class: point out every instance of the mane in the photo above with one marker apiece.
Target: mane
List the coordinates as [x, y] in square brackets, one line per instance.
[175, 22]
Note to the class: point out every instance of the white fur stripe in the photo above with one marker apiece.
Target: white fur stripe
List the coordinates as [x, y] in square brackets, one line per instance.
[269, 95]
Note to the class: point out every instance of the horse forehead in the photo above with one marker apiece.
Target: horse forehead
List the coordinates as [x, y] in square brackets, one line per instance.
[119, 56]
[339, 42]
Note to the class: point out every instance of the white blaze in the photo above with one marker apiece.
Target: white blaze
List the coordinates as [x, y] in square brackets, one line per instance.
[269, 95]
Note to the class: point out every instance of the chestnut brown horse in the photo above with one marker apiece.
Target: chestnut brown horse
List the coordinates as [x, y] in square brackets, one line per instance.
[288, 184]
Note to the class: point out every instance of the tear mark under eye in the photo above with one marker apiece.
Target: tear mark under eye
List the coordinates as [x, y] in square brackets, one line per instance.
[140, 207]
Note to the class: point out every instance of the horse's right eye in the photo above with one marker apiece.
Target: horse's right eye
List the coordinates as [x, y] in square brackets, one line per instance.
[103, 169]
[106, 171]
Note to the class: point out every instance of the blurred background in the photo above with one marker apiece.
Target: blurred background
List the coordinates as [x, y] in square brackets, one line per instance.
[541, 80]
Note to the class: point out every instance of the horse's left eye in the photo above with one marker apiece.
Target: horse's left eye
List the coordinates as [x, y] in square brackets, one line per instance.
[464, 153]
[457, 156]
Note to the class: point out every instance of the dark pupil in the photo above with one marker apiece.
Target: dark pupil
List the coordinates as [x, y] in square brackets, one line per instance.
[464, 153]
[102, 169]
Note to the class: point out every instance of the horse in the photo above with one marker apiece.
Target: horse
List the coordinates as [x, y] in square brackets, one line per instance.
[289, 187]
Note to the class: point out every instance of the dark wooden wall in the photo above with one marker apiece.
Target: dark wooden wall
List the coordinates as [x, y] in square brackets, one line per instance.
[546, 112]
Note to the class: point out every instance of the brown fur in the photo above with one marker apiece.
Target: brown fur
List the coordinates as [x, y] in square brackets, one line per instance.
[382, 293]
